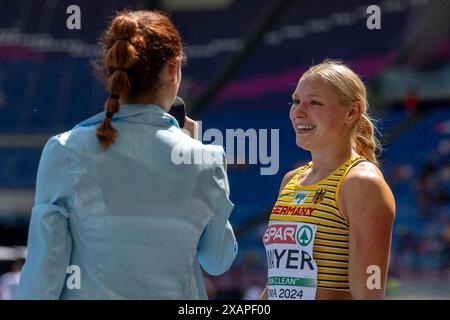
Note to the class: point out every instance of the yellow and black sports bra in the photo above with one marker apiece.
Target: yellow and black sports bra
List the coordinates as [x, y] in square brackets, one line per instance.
[307, 239]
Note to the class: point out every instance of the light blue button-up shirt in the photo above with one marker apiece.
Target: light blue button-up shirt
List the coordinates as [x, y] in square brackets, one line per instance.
[130, 222]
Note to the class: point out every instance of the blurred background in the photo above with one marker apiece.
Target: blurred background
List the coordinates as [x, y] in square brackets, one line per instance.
[244, 60]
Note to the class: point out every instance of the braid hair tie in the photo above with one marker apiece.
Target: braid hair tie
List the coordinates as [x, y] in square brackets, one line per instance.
[119, 69]
[109, 115]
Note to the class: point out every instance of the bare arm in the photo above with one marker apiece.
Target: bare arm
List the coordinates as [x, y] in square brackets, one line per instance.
[369, 206]
[264, 294]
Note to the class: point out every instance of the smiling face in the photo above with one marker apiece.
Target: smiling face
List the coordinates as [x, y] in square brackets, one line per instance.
[317, 115]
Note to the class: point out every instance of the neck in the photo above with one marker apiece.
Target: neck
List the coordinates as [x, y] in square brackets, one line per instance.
[163, 102]
[329, 158]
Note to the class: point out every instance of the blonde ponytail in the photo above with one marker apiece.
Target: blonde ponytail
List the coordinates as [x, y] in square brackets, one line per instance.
[364, 140]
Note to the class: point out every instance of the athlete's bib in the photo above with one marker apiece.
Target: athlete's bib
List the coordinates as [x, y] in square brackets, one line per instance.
[292, 271]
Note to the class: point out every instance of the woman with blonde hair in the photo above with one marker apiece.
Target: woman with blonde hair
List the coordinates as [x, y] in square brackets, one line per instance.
[329, 233]
[115, 217]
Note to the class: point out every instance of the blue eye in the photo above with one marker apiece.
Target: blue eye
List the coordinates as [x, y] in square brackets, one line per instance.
[316, 102]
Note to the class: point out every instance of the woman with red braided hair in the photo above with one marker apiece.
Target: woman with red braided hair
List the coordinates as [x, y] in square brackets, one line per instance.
[115, 216]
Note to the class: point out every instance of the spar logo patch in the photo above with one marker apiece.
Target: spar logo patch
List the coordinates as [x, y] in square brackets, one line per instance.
[281, 234]
[288, 234]
[304, 235]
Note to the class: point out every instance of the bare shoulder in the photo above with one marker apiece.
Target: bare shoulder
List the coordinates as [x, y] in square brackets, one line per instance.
[365, 175]
[287, 177]
[364, 189]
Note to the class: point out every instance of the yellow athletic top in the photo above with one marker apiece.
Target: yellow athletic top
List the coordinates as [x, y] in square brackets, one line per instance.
[301, 213]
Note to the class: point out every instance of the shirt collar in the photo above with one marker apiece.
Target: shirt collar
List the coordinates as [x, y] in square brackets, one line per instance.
[136, 113]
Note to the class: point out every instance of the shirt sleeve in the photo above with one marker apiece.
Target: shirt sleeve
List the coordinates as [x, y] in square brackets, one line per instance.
[49, 240]
[218, 247]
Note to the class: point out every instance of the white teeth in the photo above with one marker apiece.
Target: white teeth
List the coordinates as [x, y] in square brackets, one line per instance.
[305, 127]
